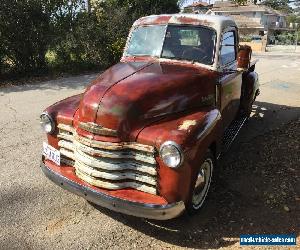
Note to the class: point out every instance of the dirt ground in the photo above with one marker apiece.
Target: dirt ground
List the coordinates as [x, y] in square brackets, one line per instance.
[257, 191]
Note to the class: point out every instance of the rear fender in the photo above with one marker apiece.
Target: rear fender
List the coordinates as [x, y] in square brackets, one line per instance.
[250, 88]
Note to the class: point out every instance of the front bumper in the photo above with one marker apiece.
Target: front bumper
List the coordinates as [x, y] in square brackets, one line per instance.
[150, 211]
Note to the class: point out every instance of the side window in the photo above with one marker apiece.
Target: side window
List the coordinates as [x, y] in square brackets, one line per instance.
[228, 48]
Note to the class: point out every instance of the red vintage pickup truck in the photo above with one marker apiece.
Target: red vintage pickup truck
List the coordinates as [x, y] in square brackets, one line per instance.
[145, 136]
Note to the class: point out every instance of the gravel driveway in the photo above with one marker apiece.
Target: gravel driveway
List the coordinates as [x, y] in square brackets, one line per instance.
[257, 191]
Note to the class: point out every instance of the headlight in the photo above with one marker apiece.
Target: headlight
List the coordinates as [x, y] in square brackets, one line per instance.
[47, 123]
[171, 154]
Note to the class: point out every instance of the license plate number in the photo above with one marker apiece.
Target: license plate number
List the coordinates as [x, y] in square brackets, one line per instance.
[51, 153]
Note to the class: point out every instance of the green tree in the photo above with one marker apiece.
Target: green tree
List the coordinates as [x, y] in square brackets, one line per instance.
[282, 5]
[25, 33]
[117, 16]
[72, 35]
[240, 2]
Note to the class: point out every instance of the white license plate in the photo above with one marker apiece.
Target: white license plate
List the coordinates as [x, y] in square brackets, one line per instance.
[51, 153]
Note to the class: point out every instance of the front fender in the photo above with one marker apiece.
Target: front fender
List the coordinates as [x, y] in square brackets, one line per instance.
[194, 132]
[62, 112]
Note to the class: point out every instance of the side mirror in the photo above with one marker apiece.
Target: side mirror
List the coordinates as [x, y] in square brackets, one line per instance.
[244, 57]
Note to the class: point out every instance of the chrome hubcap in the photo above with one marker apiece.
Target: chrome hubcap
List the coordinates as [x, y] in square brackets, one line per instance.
[202, 183]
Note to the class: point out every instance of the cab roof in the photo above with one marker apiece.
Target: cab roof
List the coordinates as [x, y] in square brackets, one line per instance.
[217, 22]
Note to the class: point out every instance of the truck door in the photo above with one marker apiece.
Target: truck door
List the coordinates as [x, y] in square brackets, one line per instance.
[229, 86]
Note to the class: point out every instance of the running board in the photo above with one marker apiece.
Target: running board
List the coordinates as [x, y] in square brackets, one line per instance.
[231, 132]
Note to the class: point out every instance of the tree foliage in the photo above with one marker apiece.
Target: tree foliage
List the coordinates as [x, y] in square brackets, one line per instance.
[282, 5]
[117, 16]
[240, 2]
[24, 34]
[37, 35]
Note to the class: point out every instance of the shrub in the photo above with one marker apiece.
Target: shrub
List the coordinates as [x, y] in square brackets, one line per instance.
[24, 34]
[38, 35]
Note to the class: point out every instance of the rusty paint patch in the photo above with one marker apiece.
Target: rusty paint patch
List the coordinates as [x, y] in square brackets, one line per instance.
[190, 20]
[175, 19]
[162, 19]
[187, 124]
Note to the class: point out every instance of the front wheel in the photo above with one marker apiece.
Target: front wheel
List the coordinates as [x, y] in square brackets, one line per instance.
[202, 184]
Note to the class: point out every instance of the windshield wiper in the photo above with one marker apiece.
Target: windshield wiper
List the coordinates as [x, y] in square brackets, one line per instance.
[181, 59]
[142, 55]
[174, 57]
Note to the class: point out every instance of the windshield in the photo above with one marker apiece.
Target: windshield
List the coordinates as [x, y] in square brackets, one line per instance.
[146, 41]
[192, 43]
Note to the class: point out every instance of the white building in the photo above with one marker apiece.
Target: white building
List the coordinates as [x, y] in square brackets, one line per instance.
[250, 18]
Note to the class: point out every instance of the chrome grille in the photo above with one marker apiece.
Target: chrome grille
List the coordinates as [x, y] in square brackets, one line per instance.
[109, 165]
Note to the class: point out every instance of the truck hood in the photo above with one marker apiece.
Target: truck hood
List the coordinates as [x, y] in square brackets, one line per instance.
[129, 96]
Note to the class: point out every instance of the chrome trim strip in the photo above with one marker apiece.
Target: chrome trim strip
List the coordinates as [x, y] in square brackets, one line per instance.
[65, 137]
[114, 165]
[115, 175]
[114, 145]
[98, 129]
[67, 153]
[144, 210]
[114, 154]
[66, 127]
[67, 145]
[91, 174]
[102, 145]
[114, 185]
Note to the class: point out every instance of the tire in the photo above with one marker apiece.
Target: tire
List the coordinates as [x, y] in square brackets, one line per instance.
[202, 184]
